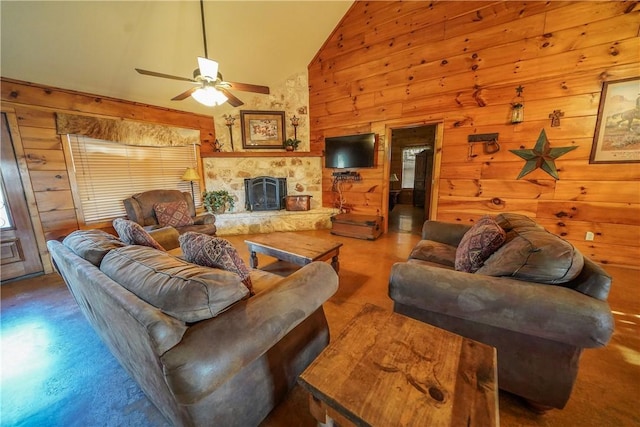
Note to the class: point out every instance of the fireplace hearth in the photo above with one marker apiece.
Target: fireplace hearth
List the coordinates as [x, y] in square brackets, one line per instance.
[265, 193]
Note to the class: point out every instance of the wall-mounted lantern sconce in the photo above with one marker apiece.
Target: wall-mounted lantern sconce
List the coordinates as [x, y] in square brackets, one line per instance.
[295, 121]
[517, 106]
[229, 123]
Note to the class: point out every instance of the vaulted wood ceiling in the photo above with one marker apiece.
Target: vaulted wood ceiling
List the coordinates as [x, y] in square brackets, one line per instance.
[94, 46]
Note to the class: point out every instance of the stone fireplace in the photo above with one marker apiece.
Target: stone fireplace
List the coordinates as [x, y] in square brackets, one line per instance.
[265, 193]
[303, 176]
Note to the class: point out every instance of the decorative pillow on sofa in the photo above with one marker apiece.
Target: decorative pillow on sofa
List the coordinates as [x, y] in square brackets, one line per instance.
[478, 244]
[533, 254]
[173, 214]
[132, 233]
[180, 289]
[92, 245]
[210, 251]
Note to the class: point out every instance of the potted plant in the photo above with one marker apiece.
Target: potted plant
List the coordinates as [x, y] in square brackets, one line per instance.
[217, 201]
[291, 144]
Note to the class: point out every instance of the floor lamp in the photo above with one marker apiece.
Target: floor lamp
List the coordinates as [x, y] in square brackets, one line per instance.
[191, 175]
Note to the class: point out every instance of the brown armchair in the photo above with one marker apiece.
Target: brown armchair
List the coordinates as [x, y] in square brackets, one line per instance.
[140, 208]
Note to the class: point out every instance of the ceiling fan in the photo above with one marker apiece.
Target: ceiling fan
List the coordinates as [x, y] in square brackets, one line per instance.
[210, 89]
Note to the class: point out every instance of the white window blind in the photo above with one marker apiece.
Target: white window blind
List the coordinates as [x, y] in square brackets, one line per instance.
[409, 165]
[107, 172]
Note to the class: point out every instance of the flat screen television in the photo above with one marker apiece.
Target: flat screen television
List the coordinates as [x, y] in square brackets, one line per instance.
[350, 151]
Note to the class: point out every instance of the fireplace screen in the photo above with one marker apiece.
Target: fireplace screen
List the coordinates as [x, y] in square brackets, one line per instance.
[265, 193]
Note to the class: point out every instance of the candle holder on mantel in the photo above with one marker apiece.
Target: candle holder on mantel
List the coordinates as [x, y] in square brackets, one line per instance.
[295, 121]
[517, 106]
[229, 119]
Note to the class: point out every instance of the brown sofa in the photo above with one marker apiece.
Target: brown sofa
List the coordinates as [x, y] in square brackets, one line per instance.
[202, 350]
[140, 209]
[536, 299]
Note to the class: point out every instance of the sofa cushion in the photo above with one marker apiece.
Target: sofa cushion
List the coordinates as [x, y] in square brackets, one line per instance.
[173, 214]
[478, 244]
[180, 289]
[132, 233]
[440, 253]
[210, 251]
[533, 254]
[92, 245]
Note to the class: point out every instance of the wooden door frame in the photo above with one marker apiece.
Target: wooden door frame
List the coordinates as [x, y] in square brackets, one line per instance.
[404, 123]
[25, 178]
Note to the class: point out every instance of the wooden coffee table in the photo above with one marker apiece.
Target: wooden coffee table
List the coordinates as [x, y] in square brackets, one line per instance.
[386, 369]
[294, 248]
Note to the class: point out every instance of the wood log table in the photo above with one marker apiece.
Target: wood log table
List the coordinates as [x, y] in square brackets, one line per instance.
[294, 248]
[386, 369]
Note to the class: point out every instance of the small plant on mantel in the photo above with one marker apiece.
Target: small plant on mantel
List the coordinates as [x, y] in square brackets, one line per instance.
[291, 144]
[218, 201]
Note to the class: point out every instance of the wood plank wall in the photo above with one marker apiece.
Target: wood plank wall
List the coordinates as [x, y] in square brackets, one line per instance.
[35, 107]
[458, 63]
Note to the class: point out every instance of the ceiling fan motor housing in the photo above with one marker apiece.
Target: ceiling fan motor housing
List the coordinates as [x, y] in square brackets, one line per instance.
[198, 76]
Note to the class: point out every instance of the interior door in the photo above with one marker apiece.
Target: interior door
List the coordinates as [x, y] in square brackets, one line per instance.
[428, 179]
[419, 179]
[19, 254]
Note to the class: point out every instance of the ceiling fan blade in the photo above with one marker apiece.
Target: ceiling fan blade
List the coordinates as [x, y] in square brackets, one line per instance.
[164, 76]
[185, 94]
[246, 87]
[235, 102]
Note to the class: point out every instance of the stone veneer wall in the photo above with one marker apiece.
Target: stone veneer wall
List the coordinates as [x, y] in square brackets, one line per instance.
[304, 174]
[292, 97]
[270, 221]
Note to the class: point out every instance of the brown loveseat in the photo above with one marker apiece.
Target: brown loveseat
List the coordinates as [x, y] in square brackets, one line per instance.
[536, 299]
[141, 209]
[202, 350]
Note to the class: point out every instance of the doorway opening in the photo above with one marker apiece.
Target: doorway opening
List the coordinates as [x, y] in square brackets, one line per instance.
[411, 172]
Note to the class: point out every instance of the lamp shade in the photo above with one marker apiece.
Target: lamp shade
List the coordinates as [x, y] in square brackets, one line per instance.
[190, 175]
[393, 178]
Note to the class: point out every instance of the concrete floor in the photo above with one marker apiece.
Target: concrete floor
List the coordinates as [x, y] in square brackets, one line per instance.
[55, 372]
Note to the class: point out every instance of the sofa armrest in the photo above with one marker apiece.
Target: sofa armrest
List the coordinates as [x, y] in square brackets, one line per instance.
[213, 350]
[204, 218]
[444, 232]
[546, 311]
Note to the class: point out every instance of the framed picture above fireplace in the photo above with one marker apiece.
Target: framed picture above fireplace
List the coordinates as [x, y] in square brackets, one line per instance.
[262, 129]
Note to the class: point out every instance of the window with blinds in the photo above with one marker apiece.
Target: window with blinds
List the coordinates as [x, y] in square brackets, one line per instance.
[108, 172]
[409, 164]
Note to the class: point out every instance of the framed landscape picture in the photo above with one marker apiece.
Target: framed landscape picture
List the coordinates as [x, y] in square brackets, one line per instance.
[262, 129]
[617, 136]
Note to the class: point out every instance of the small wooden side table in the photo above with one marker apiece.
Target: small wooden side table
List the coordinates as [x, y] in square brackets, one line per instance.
[386, 369]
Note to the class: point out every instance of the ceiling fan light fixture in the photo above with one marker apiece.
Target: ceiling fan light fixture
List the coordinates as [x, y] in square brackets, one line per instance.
[209, 96]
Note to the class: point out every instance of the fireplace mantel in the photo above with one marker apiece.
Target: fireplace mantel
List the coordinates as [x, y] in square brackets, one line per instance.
[260, 154]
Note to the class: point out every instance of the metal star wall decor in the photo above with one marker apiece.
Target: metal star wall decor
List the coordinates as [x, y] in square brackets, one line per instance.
[541, 156]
